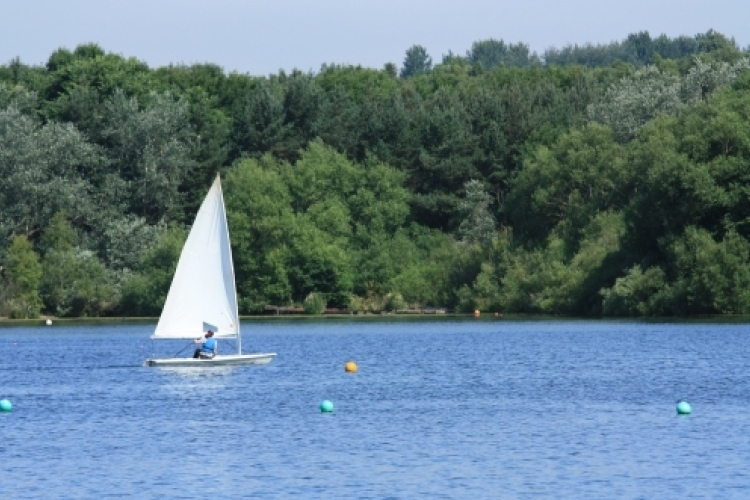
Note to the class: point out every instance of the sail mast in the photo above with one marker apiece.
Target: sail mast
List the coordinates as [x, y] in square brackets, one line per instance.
[231, 265]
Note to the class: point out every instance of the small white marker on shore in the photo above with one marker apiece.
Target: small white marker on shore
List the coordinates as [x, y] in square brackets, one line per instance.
[49, 322]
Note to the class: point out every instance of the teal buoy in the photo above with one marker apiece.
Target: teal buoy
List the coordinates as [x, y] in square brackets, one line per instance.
[683, 408]
[5, 405]
[326, 406]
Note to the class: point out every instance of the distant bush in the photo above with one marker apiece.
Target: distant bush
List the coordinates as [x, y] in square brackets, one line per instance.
[314, 303]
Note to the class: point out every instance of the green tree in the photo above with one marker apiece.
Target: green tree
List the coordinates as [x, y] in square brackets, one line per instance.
[686, 177]
[712, 277]
[548, 280]
[638, 293]
[417, 62]
[314, 303]
[74, 282]
[319, 263]
[18, 98]
[443, 159]
[145, 291]
[23, 274]
[59, 235]
[566, 184]
[124, 240]
[303, 100]
[650, 92]
[491, 53]
[91, 68]
[59, 58]
[477, 224]
[260, 127]
[426, 267]
[208, 134]
[704, 78]
[59, 241]
[150, 149]
[260, 221]
[638, 99]
[718, 46]
[43, 170]
[641, 44]
[88, 51]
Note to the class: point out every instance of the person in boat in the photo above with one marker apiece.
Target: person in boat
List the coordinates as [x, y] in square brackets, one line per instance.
[208, 345]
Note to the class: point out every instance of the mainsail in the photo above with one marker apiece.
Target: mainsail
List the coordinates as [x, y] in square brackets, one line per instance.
[203, 290]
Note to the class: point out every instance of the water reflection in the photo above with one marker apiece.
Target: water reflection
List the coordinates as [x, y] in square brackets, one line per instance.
[189, 382]
[197, 371]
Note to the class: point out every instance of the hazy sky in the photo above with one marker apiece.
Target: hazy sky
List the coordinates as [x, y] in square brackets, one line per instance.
[261, 37]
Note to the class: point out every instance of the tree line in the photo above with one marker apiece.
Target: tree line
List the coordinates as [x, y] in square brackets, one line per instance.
[591, 180]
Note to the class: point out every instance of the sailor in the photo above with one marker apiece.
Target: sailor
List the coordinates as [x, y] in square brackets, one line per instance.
[208, 346]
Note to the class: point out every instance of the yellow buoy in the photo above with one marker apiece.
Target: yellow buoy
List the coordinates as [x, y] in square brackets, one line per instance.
[351, 367]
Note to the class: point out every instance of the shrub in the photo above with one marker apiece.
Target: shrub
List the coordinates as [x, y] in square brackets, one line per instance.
[314, 303]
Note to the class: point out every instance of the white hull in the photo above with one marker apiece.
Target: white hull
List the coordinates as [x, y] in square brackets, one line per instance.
[222, 360]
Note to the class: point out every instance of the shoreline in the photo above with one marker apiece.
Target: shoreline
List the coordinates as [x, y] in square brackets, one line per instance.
[729, 319]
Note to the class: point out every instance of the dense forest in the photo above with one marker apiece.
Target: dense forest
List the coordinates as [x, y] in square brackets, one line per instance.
[609, 179]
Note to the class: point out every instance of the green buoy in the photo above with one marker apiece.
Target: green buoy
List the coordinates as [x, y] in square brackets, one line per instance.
[683, 408]
[5, 405]
[326, 406]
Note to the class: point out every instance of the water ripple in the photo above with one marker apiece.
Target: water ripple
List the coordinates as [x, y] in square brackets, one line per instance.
[438, 409]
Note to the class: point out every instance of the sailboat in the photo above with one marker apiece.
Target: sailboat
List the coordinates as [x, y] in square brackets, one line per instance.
[203, 295]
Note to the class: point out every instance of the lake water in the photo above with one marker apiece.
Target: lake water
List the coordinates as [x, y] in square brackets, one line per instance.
[438, 409]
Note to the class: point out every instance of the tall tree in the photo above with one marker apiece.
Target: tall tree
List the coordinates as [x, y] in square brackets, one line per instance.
[260, 127]
[477, 224]
[417, 62]
[150, 149]
[260, 218]
[74, 281]
[23, 275]
[44, 169]
[491, 53]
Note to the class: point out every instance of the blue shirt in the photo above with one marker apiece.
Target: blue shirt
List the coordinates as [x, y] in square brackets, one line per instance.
[209, 345]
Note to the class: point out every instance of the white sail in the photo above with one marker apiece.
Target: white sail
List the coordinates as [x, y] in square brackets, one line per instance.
[202, 293]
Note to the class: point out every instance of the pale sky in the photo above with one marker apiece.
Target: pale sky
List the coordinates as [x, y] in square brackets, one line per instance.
[261, 37]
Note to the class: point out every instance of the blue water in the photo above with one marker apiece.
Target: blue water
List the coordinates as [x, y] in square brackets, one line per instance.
[438, 409]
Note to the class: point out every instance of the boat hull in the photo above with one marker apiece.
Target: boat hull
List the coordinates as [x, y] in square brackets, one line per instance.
[223, 360]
